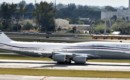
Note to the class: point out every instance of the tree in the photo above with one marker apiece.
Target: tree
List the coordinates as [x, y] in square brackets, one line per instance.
[44, 13]
[74, 29]
[7, 11]
[122, 26]
[16, 27]
[22, 9]
[74, 12]
[27, 26]
[30, 7]
[110, 8]
[13, 9]
[114, 18]
[29, 10]
[60, 6]
[1, 26]
[100, 27]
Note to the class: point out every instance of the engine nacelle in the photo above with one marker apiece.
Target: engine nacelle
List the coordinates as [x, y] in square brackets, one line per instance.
[59, 57]
[80, 59]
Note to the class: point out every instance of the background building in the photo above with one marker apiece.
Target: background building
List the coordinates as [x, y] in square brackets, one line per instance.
[64, 24]
[119, 14]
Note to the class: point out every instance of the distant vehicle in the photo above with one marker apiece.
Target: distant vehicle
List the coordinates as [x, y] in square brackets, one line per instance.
[79, 53]
[116, 33]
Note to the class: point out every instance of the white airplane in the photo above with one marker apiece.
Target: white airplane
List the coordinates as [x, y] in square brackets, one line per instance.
[67, 52]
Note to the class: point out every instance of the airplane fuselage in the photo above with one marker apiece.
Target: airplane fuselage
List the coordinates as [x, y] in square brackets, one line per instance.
[67, 52]
[101, 50]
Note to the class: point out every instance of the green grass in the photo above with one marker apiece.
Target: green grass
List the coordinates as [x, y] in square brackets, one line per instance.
[110, 60]
[19, 57]
[62, 73]
[65, 73]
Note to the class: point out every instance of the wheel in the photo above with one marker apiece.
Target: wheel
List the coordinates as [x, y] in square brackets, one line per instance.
[68, 61]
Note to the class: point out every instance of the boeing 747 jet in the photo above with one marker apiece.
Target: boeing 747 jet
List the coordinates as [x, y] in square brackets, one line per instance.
[79, 53]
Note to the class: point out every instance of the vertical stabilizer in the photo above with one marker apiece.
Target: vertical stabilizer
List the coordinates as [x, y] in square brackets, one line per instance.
[4, 38]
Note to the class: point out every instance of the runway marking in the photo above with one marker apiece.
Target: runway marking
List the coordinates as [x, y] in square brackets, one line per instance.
[44, 78]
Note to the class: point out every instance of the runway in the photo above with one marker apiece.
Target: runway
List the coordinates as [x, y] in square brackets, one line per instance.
[19, 77]
[98, 66]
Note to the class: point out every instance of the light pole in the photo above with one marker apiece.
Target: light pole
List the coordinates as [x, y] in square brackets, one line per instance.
[105, 30]
[55, 4]
[35, 2]
[55, 15]
[55, 7]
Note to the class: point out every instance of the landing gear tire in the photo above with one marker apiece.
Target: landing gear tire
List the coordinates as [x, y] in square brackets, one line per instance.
[68, 61]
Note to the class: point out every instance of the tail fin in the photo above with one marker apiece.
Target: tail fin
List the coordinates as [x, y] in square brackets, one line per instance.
[4, 38]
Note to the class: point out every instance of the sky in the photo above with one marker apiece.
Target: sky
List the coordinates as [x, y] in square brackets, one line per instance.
[114, 3]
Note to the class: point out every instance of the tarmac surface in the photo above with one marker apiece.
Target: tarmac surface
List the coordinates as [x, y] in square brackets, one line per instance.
[20, 77]
[98, 66]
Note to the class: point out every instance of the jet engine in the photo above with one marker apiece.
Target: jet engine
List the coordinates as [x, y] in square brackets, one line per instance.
[59, 57]
[62, 58]
[80, 59]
